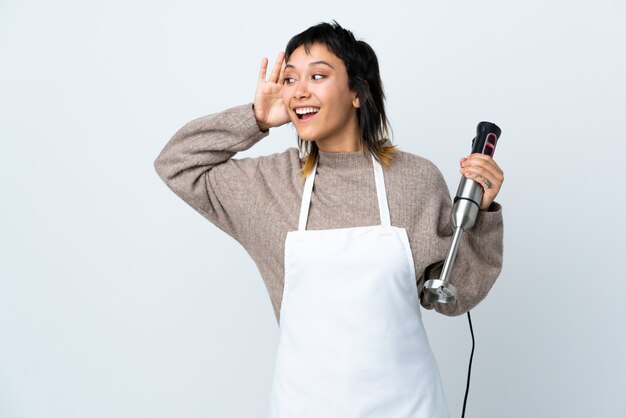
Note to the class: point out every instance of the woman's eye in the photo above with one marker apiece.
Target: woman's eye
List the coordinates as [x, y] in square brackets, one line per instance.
[288, 80]
[317, 76]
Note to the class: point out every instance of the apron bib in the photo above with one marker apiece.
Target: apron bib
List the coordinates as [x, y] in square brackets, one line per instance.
[352, 343]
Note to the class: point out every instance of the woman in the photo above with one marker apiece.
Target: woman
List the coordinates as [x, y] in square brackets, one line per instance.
[344, 256]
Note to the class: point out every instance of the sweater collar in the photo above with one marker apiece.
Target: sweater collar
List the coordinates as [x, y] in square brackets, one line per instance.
[355, 160]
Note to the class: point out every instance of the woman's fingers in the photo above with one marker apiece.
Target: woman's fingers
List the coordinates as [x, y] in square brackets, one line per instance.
[281, 75]
[263, 70]
[485, 171]
[482, 164]
[490, 164]
[269, 108]
[478, 170]
[275, 77]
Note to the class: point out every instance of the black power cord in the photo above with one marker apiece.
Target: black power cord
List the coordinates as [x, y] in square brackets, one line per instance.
[469, 370]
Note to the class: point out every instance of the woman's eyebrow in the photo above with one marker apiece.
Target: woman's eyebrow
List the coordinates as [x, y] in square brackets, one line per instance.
[312, 64]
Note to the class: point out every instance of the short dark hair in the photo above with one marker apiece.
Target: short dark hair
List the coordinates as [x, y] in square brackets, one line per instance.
[363, 78]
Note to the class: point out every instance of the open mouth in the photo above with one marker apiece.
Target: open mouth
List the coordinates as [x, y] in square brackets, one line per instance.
[305, 113]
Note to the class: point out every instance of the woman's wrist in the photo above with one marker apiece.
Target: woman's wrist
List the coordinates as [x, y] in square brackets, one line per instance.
[263, 127]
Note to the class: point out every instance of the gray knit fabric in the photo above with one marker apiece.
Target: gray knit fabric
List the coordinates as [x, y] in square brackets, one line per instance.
[257, 201]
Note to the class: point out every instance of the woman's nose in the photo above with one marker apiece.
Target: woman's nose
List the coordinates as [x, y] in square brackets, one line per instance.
[302, 90]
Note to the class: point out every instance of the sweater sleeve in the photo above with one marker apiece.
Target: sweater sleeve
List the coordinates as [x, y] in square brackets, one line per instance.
[197, 165]
[479, 259]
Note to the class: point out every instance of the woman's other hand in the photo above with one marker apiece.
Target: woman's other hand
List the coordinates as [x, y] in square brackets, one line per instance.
[269, 108]
[484, 170]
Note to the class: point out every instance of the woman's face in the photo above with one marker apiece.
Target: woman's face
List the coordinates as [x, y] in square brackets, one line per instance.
[319, 101]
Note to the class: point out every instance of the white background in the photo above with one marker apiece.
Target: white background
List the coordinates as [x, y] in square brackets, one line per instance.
[118, 300]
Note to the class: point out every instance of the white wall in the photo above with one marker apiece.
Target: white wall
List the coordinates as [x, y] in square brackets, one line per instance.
[118, 300]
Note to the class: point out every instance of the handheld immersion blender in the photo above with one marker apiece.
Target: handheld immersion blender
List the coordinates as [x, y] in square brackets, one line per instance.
[464, 212]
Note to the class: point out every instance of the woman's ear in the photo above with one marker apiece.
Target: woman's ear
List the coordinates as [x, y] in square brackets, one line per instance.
[355, 100]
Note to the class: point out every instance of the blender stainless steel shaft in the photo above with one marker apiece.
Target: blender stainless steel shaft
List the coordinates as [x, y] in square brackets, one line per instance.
[464, 212]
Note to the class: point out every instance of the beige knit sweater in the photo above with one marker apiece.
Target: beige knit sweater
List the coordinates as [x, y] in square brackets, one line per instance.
[257, 201]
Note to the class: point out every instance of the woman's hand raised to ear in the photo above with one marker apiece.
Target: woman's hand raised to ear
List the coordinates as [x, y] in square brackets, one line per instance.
[269, 109]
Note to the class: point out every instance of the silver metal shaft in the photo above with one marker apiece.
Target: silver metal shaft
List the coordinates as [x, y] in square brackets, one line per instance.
[464, 212]
[454, 249]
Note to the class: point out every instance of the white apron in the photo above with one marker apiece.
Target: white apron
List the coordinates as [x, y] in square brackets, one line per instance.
[352, 343]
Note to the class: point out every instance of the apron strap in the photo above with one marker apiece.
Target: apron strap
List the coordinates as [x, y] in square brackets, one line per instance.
[381, 194]
[383, 206]
[306, 198]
